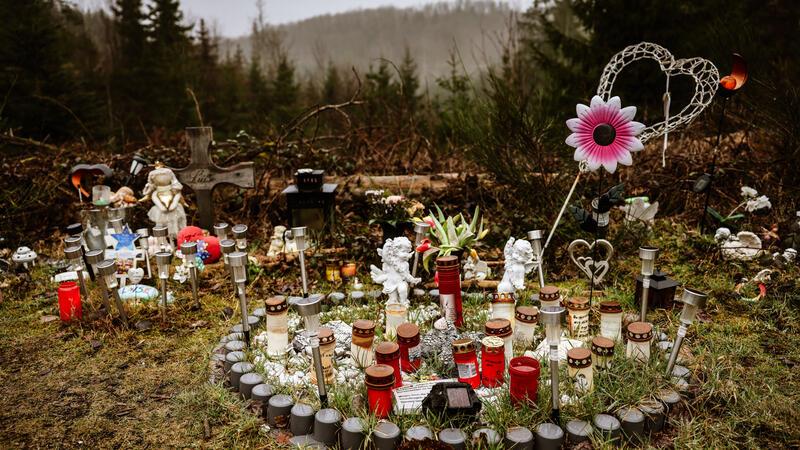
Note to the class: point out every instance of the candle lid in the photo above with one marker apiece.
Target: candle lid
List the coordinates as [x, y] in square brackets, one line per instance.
[492, 344]
[610, 307]
[527, 314]
[387, 350]
[447, 261]
[160, 231]
[276, 304]
[364, 328]
[325, 336]
[332, 261]
[503, 297]
[640, 332]
[498, 327]
[549, 293]
[602, 346]
[579, 357]
[463, 346]
[578, 304]
[407, 333]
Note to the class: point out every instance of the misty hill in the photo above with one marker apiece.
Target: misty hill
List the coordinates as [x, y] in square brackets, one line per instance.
[359, 38]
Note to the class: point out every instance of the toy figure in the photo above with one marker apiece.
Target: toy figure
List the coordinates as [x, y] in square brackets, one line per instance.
[164, 190]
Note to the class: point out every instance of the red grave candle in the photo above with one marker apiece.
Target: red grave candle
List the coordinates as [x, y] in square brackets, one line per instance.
[493, 361]
[466, 360]
[524, 379]
[69, 301]
[448, 269]
[389, 353]
[410, 351]
[379, 380]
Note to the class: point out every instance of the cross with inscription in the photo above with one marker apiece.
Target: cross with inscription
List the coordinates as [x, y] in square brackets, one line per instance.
[202, 175]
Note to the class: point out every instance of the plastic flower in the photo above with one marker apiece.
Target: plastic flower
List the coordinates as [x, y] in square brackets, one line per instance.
[604, 134]
[748, 192]
[758, 203]
[424, 246]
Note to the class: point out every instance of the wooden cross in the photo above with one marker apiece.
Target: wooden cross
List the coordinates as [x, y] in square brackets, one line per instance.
[202, 175]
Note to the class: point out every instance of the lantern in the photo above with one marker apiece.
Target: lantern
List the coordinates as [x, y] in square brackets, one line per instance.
[310, 201]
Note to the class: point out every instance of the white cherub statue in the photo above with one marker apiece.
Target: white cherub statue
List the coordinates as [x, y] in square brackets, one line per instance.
[395, 275]
[276, 243]
[164, 190]
[519, 261]
[474, 268]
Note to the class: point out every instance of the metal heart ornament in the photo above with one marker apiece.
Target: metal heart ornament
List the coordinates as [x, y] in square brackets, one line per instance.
[703, 71]
[595, 270]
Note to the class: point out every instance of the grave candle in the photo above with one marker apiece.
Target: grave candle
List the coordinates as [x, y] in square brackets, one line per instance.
[449, 271]
[502, 329]
[648, 256]
[69, 301]
[396, 314]
[389, 353]
[163, 261]
[466, 362]
[493, 364]
[348, 270]
[693, 300]
[238, 261]
[240, 235]
[161, 233]
[221, 230]
[361, 346]
[277, 310]
[579, 362]
[327, 345]
[448, 304]
[602, 352]
[578, 317]
[611, 320]
[549, 296]
[410, 350]
[551, 318]
[332, 270]
[503, 306]
[74, 255]
[523, 374]
[639, 335]
[380, 381]
[107, 271]
[527, 317]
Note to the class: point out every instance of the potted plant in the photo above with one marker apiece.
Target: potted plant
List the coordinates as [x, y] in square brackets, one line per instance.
[451, 235]
[394, 213]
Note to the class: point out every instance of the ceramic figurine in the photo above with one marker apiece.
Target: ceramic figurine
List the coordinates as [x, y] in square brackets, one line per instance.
[24, 256]
[276, 243]
[519, 261]
[742, 246]
[164, 190]
[395, 274]
[123, 198]
[475, 269]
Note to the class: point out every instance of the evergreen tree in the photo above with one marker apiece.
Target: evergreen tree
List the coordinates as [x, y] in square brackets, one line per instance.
[332, 88]
[132, 77]
[408, 83]
[284, 92]
[259, 95]
[171, 105]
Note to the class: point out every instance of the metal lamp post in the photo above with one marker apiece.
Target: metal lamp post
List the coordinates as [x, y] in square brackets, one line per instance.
[535, 236]
[93, 258]
[144, 243]
[693, 300]
[551, 318]
[189, 252]
[299, 236]
[238, 262]
[240, 235]
[309, 309]
[420, 230]
[107, 274]
[648, 256]
[228, 246]
[163, 261]
[75, 256]
[221, 230]
[161, 233]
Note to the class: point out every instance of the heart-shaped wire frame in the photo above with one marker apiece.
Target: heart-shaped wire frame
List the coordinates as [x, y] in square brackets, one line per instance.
[703, 71]
[584, 262]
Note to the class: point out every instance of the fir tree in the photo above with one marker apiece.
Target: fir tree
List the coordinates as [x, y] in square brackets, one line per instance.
[284, 92]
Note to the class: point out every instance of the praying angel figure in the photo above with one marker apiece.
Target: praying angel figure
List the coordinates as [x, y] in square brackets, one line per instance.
[395, 275]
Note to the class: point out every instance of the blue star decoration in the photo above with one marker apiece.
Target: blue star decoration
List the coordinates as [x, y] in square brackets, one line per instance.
[125, 239]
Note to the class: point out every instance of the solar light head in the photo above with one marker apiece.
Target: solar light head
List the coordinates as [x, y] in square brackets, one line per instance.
[693, 300]
[648, 256]
[163, 260]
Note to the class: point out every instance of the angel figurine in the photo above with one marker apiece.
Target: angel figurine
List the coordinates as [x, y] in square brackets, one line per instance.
[519, 261]
[395, 274]
[164, 190]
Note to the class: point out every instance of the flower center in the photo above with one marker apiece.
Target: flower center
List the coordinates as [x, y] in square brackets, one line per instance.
[604, 134]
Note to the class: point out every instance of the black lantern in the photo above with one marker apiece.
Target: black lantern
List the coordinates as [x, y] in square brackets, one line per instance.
[310, 200]
[661, 293]
[137, 163]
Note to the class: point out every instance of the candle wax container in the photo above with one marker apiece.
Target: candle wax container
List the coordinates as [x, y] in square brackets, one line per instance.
[395, 315]
[639, 335]
[361, 345]
[602, 352]
[526, 320]
[578, 317]
[410, 350]
[386, 436]
[502, 329]
[389, 353]
[277, 312]
[523, 375]
[301, 419]
[579, 362]
[379, 380]
[332, 270]
[466, 361]
[327, 345]
[348, 270]
[503, 307]
[69, 301]
[493, 363]
[611, 320]
[549, 296]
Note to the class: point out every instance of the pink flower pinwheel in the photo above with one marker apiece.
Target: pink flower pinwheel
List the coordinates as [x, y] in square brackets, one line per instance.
[604, 134]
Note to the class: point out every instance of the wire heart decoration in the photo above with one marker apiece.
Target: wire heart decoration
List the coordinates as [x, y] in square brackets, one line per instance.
[595, 270]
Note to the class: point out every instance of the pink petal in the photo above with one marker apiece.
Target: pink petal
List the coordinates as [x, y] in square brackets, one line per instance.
[573, 140]
[596, 102]
[635, 145]
[628, 113]
[593, 164]
[637, 127]
[611, 166]
[574, 125]
[579, 154]
[625, 159]
[582, 110]
[614, 103]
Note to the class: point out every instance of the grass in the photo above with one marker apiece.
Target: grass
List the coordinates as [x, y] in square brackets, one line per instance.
[150, 388]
